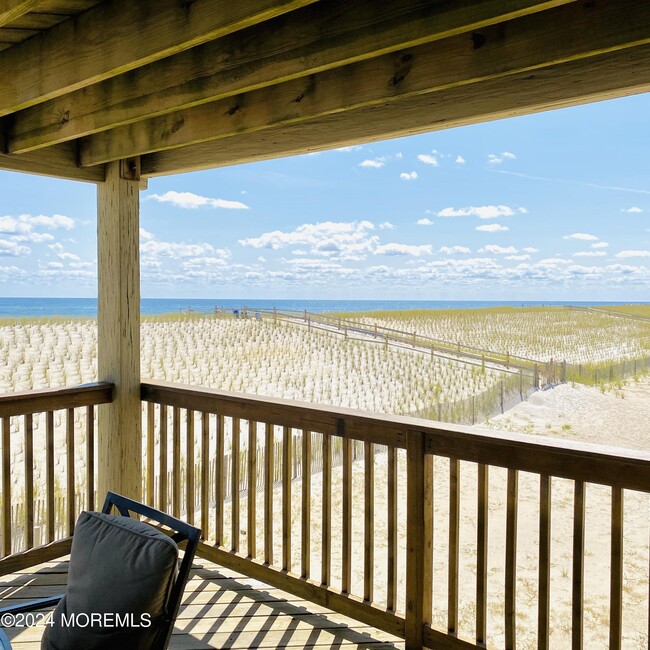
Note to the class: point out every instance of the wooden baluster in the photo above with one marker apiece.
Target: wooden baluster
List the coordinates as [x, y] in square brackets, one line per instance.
[578, 565]
[269, 441]
[29, 481]
[252, 488]
[369, 522]
[6, 486]
[326, 559]
[234, 488]
[482, 553]
[286, 498]
[544, 620]
[49, 475]
[391, 593]
[419, 539]
[90, 458]
[452, 578]
[511, 560]
[305, 520]
[189, 462]
[346, 537]
[70, 487]
[219, 479]
[151, 451]
[205, 479]
[616, 582]
[162, 497]
[176, 461]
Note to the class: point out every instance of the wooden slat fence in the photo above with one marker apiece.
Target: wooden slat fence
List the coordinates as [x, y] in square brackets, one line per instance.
[47, 447]
[385, 538]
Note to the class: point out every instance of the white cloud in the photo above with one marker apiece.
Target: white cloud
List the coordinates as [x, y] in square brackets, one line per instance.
[600, 244]
[428, 159]
[387, 225]
[492, 227]
[179, 250]
[62, 254]
[632, 210]
[632, 253]
[53, 222]
[497, 159]
[518, 258]
[408, 176]
[453, 250]
[219, 259]
[22, 227]
[460, 160]
[349, 240]
[376, 163]
[55, 265]
[530, 249]
[482, 212]
[590, 254]
[34, 237]
[191, 201]
[355, 147]
[424, 222]
[399, 155]
[522, 210]
[403, 249]
[583, 236]
[12, 249]
[144, 234]
[499, 250]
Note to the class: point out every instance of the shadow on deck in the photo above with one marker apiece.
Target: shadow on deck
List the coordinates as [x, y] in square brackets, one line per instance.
[220, 609]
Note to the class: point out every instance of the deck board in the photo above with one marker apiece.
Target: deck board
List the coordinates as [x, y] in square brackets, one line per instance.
[220, 609]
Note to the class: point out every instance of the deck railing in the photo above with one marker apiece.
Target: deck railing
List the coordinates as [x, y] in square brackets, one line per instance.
[365, 539]
[47, 447]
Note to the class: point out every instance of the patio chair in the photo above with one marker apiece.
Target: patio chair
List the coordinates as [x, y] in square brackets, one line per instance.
[124, 584]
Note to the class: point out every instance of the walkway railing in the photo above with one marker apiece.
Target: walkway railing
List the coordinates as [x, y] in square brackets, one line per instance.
[47, 447]
[361, 539]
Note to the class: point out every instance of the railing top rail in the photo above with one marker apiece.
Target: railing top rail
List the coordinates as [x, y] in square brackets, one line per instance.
[625, 468]
[53, 399]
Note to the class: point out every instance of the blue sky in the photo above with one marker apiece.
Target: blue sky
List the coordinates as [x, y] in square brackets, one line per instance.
[554, 206]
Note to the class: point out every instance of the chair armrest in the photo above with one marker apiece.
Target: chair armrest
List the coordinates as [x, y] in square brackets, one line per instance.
[31, 606]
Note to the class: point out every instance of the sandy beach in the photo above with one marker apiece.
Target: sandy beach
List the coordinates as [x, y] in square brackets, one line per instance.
[242, 357]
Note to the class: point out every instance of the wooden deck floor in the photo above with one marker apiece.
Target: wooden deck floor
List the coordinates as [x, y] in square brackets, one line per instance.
[221, 609]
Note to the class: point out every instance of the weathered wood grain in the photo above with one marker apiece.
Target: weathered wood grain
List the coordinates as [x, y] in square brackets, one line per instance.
[319, 37]
[115, 37]
[549, 38]
[119, 432]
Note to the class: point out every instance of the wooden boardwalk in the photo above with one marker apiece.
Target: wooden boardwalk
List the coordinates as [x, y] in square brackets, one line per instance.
[221, 609]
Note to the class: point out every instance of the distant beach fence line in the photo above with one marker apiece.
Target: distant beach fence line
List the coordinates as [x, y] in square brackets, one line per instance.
[607, 373]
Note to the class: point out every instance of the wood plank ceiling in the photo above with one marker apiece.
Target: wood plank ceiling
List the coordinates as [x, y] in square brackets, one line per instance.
[193, 84]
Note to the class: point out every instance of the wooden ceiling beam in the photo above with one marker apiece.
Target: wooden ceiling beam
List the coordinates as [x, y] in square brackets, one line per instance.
[59, 161]
[561, 35]
[322, 36]
[11, 10]
[118, 36]
[607, 76]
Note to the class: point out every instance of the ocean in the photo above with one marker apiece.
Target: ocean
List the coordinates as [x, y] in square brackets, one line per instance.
[87, 307]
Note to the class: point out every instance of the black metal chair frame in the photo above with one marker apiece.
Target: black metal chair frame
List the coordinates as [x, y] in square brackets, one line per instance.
[125, 506]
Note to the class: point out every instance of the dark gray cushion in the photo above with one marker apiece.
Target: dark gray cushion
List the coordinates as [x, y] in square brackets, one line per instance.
[120, 569]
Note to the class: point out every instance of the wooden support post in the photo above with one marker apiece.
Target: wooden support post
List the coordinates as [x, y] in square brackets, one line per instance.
[419, 539]
[119, 430]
